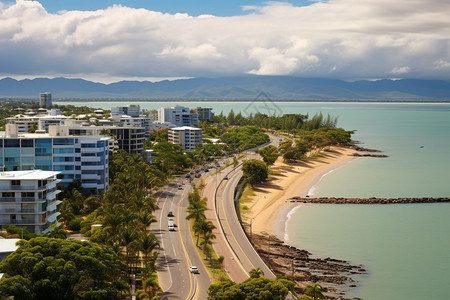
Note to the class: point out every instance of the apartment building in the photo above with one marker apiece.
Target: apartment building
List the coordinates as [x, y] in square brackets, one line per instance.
[178, 115]
[28, 198]
[76, 157]
[204, 114]
[187, 137]
[45, 100]
[129, 110]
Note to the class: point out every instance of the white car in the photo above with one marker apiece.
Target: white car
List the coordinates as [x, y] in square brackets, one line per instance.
[193, 269]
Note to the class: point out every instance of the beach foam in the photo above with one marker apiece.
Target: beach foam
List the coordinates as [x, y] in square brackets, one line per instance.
[288, 218]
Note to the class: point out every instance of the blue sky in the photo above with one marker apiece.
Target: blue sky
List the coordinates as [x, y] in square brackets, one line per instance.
[191, 7]
[154, 40]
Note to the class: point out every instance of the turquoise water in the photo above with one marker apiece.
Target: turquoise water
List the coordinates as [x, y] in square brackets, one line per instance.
[405, 248]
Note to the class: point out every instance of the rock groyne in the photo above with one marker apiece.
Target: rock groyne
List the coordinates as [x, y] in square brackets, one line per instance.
[372, 200]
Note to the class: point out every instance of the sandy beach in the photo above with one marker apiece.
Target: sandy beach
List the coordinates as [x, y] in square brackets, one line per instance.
[269, 207]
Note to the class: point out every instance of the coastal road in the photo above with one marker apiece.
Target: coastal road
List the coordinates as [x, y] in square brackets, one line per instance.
[178, 251]
[234, 233]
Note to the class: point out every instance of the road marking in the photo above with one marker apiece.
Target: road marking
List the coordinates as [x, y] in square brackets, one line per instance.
[228, 224]
[175, 252]
[191, 284]
[162, 242]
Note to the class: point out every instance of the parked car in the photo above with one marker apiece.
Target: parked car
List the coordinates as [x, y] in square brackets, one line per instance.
[180, 187]
[193, 270]
[188, 175]
[198, 175]
[205, 170]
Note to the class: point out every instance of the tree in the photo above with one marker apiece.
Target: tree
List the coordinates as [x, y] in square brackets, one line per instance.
[252, 288]
[45, 268]
[269, 154]
[314, 291]
[256, 273]
[56, 232]
[255, 171]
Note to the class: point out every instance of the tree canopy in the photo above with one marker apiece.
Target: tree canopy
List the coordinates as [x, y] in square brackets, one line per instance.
[255, 171]
[253, 288]
[46, 268]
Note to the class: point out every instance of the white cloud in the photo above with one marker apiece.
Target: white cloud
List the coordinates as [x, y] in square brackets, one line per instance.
[342, 38]
[400, 70]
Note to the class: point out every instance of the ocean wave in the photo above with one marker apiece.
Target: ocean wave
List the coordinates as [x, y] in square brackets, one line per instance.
[288, 217]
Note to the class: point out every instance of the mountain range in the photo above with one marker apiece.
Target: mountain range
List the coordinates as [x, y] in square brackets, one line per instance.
[232, 88]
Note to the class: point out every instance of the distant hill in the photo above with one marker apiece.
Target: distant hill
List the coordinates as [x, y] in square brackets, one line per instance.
[232, 88]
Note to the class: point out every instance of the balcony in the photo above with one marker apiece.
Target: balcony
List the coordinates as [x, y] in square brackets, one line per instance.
[90, 177]
[9, 211]
[21, 222]
[53, 217]
[90, 159]
[21, 199]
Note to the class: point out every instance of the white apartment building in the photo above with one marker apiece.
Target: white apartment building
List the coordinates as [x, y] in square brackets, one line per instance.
[75, 157]
[178, 115]
[129, 110]
[187, 137]
[28, 198]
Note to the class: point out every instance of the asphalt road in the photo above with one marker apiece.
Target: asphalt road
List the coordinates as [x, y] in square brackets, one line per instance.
[178, 251]
[234, 233]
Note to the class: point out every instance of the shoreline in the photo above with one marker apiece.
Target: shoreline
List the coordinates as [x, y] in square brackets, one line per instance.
[273, 208]
[289, 181]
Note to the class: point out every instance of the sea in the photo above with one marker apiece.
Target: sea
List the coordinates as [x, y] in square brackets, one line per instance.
[405, 248]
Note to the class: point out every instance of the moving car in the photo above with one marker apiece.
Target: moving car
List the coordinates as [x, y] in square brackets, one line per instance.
[193, 270]
[225, 178]
[170, 214]
[171, 225]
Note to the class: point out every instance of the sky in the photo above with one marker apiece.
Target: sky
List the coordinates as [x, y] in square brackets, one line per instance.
[109, 41]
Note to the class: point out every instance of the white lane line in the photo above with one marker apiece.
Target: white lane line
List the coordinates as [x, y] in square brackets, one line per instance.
[162, 243]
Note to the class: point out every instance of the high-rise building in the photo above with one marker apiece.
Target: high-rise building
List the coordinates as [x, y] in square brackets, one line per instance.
[178, 115]
[187, 137]
[129, 110]
[205, 114]
[28, 198]
[83, 158]
[45, 100]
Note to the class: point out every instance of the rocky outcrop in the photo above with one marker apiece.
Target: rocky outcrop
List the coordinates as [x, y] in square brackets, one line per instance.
[298, 265]
[369, 155]
[373, 200]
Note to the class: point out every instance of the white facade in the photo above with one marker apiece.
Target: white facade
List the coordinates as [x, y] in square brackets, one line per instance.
[76, 157]
[187, 137]
[178, 115]
[129, 110]
[28, 198]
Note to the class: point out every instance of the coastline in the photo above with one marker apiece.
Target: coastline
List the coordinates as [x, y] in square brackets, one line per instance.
[269, 213]
[271, 208]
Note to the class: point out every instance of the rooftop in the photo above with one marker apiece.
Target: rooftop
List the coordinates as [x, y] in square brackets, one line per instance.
[27, 175]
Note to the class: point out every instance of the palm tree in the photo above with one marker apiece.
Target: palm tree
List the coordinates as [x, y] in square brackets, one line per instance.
[146, 244]
[144, 220]
[256, 273]
[196, 211]
[314, 291]
[127, 238]
[205, 229]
